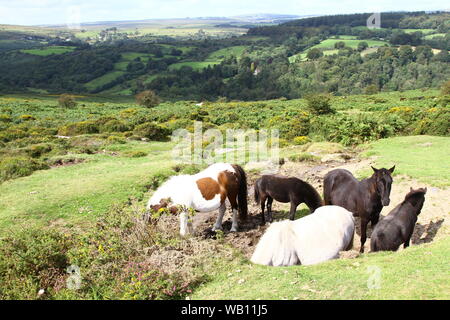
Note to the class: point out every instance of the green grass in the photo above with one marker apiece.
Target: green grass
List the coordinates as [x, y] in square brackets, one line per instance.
[424, 31]
[425, 158]
[106, 78]
[431, 36]
[78, 193]
[196, 65]
[46, 51]
[352, 43]
[236, 51]
[420, 272]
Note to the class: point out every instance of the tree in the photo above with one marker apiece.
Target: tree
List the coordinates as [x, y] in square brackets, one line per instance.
[339, 45]
[445, 88]
[314, 54]
[362, 46]
[67, 101]
[319, 103]
[147, 98]
[372, 89]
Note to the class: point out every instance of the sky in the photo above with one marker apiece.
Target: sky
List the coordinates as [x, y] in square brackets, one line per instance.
[39, 12]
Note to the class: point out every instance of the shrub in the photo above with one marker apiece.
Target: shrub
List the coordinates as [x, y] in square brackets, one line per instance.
[116, 140]
[37, 150]
[152, 131]
[445, 88]
[79, 128]
[303, 157]
[32, 260]
[319, 104]
[314, 54]
[301, 140]
[371, 89]
[114, 126]
[13, 133]
[435, 122]
[147, 99]
[26, 117]
[134, 154]
[67, 101]
[15, 167]
[5, 118]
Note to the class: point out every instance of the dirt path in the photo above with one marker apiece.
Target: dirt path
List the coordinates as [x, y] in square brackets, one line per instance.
[433, 222]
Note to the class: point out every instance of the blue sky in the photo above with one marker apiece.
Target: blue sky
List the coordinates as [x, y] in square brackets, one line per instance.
[33, 12]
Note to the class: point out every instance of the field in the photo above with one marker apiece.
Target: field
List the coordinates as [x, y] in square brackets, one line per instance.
[45, 51]
[327, 46]
[84, 188]
[214, 58]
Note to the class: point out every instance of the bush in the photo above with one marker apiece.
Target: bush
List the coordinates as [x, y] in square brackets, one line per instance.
[314, 54]
[116, 140]
[134, 154]
[152, 131]
[114, 126]
[5, 118]
[445, 88]
[79, 128]
[371, 89]
[304, 157]
[16, 167]
[32, 260]
[319, 104]
[37, 150]
[13, 133]
[67, 101]
[436, 121]
[301, 140]
[147, 99]
[27, 117]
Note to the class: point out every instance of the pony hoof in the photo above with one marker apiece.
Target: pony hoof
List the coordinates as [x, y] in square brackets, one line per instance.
[217, 228]
[233, 230]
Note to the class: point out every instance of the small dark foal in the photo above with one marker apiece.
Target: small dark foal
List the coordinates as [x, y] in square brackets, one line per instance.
[285, 189]
[398, 226]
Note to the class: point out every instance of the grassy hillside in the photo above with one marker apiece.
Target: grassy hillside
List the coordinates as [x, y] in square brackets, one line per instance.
[403, 275]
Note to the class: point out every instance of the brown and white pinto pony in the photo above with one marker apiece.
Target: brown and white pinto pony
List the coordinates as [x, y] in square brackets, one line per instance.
[205, 191]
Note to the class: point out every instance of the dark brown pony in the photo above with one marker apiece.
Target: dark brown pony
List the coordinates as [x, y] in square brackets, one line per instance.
[285, 189]
[364, 198]
[398, 226]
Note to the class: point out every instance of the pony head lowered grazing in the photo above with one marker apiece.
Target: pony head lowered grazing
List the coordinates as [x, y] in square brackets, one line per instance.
[285, 189]
[313, 239]
[205, 191]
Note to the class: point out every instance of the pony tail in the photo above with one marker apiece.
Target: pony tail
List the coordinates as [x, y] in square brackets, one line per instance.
[257, 197]
[242, 192]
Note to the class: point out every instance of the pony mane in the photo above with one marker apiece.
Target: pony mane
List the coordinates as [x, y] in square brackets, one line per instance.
[317, 201]
[414, 193]
[414, 196]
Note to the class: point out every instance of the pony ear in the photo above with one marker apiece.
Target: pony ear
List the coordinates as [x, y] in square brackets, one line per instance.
[410, 189]
[374, 169]
[426, 189]
[391, 170]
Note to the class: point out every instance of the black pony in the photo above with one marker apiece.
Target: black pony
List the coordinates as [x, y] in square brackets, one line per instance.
[364, 198]
[398, 226]
[285, 189]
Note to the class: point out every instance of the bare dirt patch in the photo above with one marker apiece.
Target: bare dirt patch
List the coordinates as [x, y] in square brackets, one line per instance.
[433, 222]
